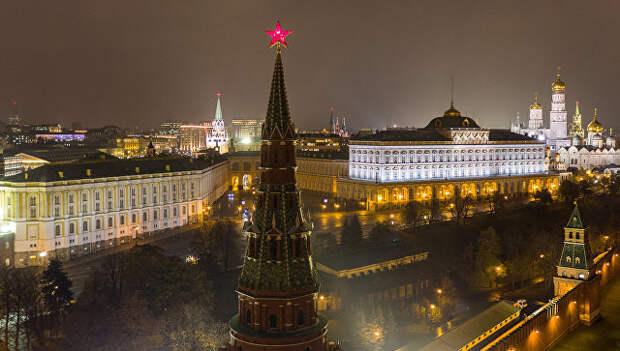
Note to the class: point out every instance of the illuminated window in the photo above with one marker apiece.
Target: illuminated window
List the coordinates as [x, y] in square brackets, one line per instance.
[97, 201]
[183, 190]
[568, 259]
[121, 198]
[144, 196]
[133, 196]
[154, 194]
[164, 192]
[174, 192]
[84, 203]
[109, 200]
[56, 205]
[33, 207]
[577, 260]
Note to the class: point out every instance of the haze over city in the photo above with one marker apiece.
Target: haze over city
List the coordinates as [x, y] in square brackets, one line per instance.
[136, 64]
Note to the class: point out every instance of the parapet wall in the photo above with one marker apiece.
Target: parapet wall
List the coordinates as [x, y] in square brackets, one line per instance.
[549, 324]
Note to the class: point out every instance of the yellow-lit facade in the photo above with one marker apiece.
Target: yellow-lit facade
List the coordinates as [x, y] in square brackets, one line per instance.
[70, 218]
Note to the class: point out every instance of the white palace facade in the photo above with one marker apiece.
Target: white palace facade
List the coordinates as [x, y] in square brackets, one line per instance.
[69, 210]
[452, 153]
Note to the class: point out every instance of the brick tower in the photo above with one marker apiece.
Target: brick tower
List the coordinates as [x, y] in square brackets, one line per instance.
[576, 267]
[278, 287]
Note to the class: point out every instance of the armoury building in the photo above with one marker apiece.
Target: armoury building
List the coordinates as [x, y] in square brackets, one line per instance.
[69, 210]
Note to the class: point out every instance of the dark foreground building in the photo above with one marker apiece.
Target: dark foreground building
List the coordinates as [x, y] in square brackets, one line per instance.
[278, 287]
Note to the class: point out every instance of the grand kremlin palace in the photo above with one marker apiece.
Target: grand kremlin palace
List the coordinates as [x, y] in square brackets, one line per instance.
[452, 153]
[69, 210]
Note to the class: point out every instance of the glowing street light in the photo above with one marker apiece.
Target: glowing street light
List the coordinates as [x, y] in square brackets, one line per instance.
[433, 306]
[439, 291]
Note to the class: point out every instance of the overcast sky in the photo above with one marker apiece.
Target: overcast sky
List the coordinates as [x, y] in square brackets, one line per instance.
[137, 63]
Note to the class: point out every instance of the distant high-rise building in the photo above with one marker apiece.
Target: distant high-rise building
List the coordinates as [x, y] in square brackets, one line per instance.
[170, 128]
[218, 138]
[15, 120]
[193, 137]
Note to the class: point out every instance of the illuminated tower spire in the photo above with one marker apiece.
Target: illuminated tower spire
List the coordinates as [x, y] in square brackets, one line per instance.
[576, 128]
[278, 286]
[218, 108]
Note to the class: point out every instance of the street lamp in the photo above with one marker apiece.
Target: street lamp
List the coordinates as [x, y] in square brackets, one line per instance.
[433, 306]
[439, 291]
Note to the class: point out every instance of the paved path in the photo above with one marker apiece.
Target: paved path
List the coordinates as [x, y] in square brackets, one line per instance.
[604, 334]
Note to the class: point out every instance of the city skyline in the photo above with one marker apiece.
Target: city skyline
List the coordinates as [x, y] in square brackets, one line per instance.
[101, 64]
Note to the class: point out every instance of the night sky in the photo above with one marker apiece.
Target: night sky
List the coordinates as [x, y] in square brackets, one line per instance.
[138, 63]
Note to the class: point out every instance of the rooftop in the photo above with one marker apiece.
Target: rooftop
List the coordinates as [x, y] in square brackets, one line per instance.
[112, 168]
[471, 329]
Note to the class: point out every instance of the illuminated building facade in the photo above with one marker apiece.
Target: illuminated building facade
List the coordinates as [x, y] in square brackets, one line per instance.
[452, 153]
[69, 210]
[595, 151]
[193, 137]
[245, 134]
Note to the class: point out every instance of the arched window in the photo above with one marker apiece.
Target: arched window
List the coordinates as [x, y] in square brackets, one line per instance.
[273, 321]
[57, 230]
[568, 259]
[145, 216]
[122, 220]
[110, 222]
[133, 218]
[577, 260]
[570, 235]
[300, 317]
[85, 226]
[71, 228]
[98, 224]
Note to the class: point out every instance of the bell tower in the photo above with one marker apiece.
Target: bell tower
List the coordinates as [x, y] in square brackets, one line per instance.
[278, 287]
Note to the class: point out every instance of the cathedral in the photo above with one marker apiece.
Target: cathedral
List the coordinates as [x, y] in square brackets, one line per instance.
[569, 144]
[278, 287]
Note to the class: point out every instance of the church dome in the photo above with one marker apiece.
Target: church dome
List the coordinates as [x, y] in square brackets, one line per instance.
[535, 105]
[596, 139]
[558, 84]
[595, 126]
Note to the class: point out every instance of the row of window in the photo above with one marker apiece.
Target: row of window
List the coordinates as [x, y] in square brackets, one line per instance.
[456, 157]
[441, 173]
[134, 220]
[109, 200]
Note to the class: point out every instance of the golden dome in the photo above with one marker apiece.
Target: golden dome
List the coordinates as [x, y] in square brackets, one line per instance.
[535, 105]
[452, 112]
[558, 84]
[595, 126]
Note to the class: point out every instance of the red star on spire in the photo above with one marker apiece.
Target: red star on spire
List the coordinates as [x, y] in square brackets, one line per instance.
[278, 36]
